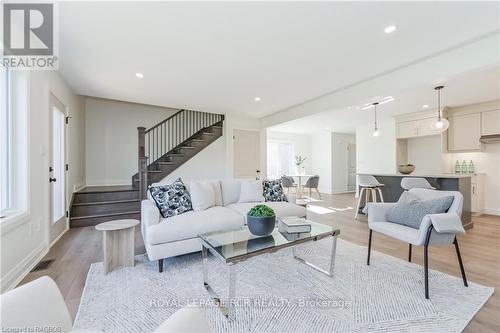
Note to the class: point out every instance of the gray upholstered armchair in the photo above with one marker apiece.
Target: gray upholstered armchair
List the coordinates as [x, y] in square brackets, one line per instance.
[436, 229]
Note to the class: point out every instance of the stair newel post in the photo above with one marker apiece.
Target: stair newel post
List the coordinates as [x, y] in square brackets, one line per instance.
[142, 162]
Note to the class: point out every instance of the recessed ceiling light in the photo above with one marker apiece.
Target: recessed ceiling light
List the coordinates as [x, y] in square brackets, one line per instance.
[380, 102]
[139, 75]
[425, 106]
[257, 99]
[390, 29]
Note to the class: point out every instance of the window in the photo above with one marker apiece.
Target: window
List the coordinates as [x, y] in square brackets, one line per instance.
[13, 142]
[279, 159]
[6, 140]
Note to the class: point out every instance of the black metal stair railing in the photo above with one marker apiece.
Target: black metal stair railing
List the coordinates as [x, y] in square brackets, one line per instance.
[157, 141]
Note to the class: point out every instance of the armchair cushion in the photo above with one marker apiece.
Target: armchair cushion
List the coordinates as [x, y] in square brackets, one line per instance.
[447, 223]
[35, 305]
[410, 210]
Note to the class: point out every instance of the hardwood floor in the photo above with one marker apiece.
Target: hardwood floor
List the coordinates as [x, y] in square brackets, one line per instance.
[480, 249]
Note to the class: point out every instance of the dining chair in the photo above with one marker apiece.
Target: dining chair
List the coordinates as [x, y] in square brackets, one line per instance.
[288, 182]
[312, 183]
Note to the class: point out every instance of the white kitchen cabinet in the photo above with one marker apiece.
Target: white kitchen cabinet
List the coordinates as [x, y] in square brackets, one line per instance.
[464, 132]
[425, 127]
[415, 128]
[490, 121]
[407, 129]
[477, 194]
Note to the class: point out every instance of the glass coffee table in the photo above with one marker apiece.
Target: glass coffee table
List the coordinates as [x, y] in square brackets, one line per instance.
[232, 247]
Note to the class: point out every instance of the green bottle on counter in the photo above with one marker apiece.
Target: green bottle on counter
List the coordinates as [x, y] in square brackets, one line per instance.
[472, 169]
[457, 167]
[464, 167]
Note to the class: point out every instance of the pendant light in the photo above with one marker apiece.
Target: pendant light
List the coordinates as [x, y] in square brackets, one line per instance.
[440, 124]
[375, 129]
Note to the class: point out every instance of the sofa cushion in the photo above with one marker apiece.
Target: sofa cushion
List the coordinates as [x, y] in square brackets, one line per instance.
[190, 224]
[202, 195]
[251, 191]
[217, 191]
[230, 191]
[171, 199]
[273, 191]
[281, 209]
[410, 210]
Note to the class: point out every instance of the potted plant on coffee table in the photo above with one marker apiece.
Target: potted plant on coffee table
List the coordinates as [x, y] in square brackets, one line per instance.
[261, 220]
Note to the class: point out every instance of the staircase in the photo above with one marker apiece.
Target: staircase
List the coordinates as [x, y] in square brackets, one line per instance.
[97, 204]
[162, 149]
[171, 143]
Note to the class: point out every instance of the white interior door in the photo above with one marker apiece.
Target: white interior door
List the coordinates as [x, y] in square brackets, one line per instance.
[351, 166]
[57, 168]
[246, 148]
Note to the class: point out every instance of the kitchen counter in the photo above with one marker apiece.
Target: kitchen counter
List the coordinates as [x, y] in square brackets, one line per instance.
[439, 175]
[392, 189]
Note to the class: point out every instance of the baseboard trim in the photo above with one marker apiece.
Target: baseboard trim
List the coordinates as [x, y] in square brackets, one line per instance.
[492, 212]
[19, 272]
[343, 191]
[58, 237]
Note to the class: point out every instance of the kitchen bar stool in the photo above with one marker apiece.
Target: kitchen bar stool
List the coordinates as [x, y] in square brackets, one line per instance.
[415, 182]
[369, 186]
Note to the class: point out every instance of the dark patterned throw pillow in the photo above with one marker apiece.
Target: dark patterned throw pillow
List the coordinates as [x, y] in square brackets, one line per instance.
[273, 191]
[171, 199]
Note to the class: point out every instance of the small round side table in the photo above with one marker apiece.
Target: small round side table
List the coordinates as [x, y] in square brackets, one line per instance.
[118, 243]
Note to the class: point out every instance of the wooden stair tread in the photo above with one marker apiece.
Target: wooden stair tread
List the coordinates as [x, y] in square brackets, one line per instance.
[105, 202]
[188, 147]
[155, 171]
[74, 218]
[103, 189]
[166, 163]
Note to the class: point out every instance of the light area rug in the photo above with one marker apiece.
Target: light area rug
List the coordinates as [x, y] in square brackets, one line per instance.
[276, 293]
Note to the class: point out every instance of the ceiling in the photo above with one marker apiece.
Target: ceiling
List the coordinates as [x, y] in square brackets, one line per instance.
[467, 88]
[218, 56]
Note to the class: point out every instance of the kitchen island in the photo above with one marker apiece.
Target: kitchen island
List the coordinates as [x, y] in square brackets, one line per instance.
[392, 189]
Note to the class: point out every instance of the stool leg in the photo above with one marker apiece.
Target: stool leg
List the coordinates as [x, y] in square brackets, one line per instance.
[360, 197]
[367, 196]
[380, 194]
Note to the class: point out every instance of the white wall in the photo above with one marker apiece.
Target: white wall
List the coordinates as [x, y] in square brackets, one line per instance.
[488, 162]
[321, 153]
[376, 154]
[216, 160]
[426, 154]
[301, 144]
[340, 155]
[111, 138]
[210, 163]
[25, 241]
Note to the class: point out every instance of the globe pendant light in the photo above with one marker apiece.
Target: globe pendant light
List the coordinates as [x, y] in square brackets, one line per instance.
[440, 124]
[375, 129]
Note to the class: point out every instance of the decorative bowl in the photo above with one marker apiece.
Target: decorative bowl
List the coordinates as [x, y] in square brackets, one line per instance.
[406, 169]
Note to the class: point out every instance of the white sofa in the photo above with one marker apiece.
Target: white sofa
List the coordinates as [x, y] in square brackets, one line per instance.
[173, 236]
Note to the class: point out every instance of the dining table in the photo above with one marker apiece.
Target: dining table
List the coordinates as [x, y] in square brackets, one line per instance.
[300, 182]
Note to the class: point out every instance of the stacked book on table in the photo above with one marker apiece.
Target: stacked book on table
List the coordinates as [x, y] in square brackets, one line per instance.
[294, 224]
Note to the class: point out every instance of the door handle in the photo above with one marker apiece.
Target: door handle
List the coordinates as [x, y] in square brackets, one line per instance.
[52, 180]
